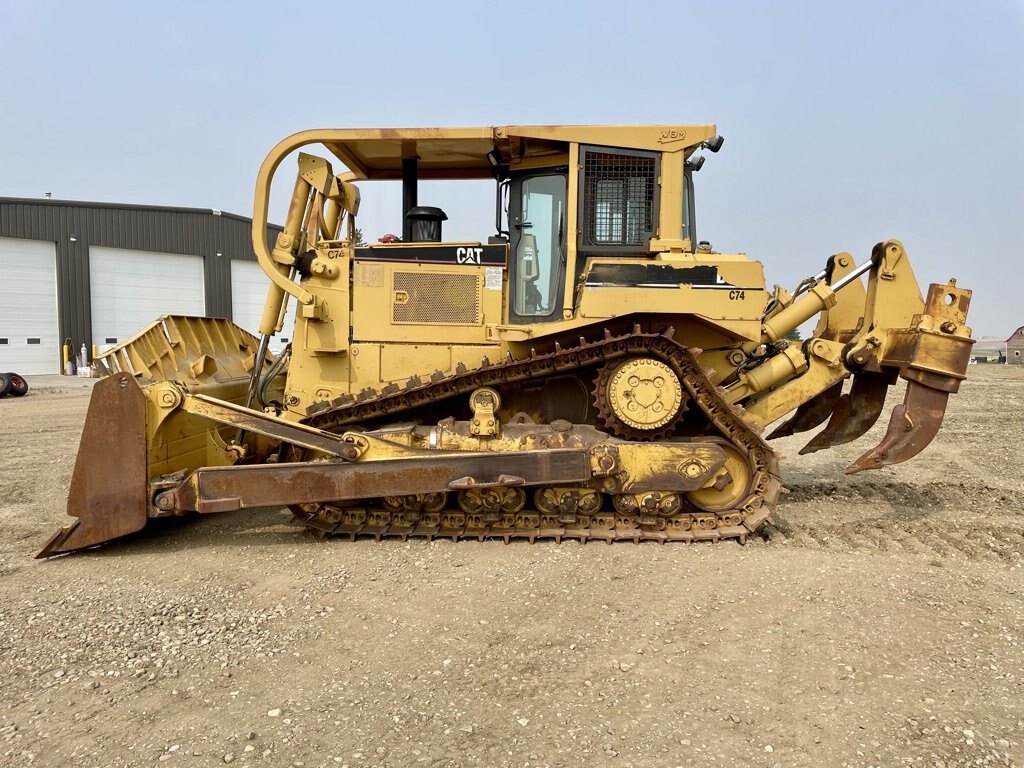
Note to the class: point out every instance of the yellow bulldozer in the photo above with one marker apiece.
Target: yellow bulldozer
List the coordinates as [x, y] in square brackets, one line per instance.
[589, 371]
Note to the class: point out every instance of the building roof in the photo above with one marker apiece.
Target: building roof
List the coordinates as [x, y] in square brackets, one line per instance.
[43, 201]
[1018, 332]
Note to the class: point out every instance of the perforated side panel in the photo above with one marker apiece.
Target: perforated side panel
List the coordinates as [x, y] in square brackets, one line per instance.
[431, 298]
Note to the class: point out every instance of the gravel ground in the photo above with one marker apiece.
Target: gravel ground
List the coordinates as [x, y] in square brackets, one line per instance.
[879, 622]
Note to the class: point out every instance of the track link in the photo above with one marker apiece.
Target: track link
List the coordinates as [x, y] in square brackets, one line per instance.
[688, 524]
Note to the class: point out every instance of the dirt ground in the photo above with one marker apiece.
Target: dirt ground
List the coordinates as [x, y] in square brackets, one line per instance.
[880, 622]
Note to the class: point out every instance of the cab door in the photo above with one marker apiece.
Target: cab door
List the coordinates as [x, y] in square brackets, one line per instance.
[538, 219]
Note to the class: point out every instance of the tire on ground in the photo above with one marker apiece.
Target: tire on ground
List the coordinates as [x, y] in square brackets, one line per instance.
[5, 384]
[19, 387]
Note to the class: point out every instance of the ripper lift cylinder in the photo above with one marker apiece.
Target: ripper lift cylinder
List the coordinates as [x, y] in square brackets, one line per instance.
[819, 298]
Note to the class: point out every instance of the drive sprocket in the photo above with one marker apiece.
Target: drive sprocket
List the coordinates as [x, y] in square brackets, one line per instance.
[639, 398]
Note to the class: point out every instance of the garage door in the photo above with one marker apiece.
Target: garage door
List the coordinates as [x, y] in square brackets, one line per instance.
[29, 335]
[131, 289]
[249, 284]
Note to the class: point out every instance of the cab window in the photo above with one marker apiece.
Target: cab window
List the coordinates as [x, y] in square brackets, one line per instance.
[619, 201]
[539, 246]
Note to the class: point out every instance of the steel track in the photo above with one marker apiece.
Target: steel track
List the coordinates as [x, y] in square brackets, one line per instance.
[690, 524]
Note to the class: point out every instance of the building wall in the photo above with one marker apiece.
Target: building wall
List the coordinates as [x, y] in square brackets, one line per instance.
[75, 225]
[1015, 347]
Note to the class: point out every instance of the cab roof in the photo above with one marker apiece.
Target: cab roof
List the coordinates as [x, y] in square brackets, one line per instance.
[461, 153]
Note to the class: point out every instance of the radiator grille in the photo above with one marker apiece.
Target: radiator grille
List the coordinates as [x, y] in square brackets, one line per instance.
[619, 198]
[431, 298]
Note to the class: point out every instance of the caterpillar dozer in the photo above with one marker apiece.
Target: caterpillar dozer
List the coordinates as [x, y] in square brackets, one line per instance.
[588, 371]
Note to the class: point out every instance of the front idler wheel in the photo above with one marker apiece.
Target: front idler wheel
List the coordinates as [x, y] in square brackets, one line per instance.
[731, 485]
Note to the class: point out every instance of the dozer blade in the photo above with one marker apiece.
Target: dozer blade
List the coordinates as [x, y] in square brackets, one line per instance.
[854, 413]
[109, 486]
[913, 424]
[135, 431]
[811, 414]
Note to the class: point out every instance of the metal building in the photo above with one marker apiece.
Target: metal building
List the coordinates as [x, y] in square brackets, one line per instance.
[96, 273]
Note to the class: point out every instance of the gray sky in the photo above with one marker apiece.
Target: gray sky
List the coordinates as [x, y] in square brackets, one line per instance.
[845, 123]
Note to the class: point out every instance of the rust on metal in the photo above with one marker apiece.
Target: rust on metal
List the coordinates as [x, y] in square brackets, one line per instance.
[109, 486]
[261, 424]
[811, 414]
[855, 413]
[219, 489]
[913, 424]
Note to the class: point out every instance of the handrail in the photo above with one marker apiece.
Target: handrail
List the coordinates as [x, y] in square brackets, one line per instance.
[261, 206]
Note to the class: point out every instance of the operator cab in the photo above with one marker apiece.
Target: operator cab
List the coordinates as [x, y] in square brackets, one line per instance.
[618, 216]
[560, 202]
